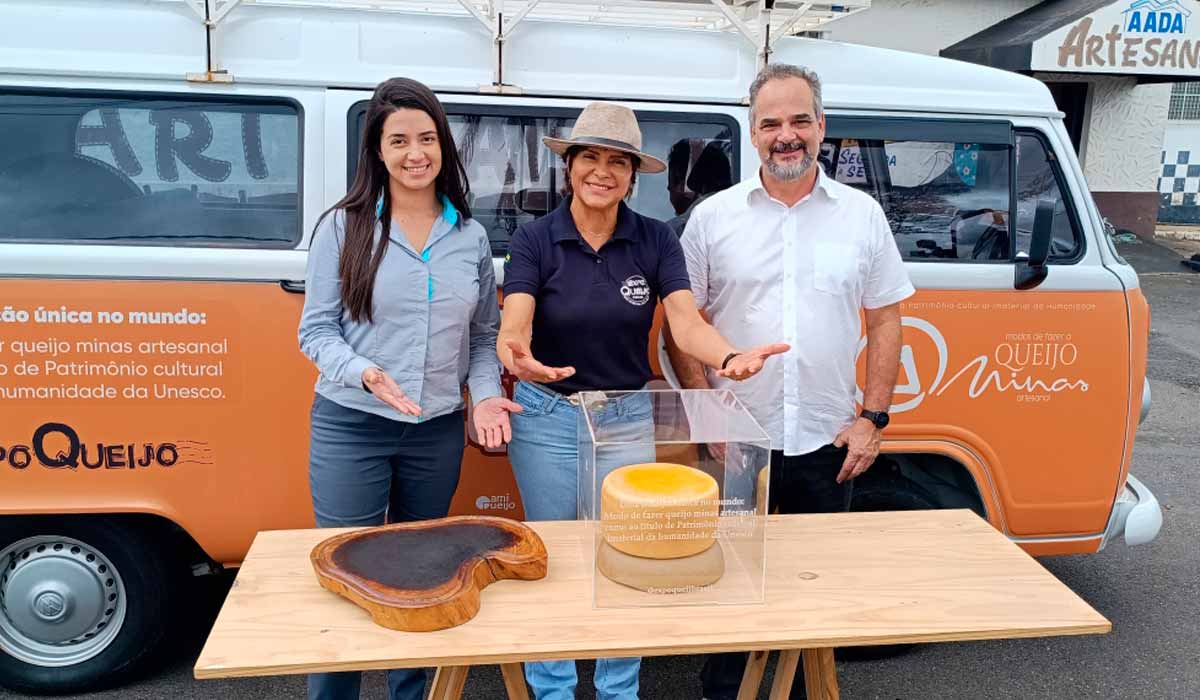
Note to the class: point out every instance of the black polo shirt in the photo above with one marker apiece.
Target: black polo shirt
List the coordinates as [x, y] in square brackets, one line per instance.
[595, 309]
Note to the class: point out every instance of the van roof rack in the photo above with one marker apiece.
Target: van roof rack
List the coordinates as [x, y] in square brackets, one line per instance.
[761, 22]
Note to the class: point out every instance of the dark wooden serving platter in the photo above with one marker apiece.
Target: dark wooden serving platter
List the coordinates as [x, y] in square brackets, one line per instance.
[427, 575]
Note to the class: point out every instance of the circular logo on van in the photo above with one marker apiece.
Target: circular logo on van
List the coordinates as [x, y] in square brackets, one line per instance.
[636, 290]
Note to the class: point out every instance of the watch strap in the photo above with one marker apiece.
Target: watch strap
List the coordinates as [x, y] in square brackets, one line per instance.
[875, 417]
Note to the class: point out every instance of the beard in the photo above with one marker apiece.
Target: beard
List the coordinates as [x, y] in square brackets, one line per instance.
[787, 173]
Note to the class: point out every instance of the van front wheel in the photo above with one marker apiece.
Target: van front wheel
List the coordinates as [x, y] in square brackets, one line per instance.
[82, 602]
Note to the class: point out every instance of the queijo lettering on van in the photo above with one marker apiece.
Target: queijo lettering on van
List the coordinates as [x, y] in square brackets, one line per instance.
[59, 446]
[1017, 360]
[1015, 381]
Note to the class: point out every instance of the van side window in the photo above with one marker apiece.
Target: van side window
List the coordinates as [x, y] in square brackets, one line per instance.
[515, 178]
[1037, 178]
[126, 169]
[945, 201]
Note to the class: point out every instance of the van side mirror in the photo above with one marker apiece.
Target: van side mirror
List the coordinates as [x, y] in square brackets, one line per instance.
[1032, 270]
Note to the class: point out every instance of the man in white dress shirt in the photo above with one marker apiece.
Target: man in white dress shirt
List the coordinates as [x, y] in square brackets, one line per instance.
[790, 248]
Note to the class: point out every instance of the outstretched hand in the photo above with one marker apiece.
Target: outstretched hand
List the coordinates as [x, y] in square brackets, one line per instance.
[526, 368]
[749, 363]
[491, 421]
[388, 391]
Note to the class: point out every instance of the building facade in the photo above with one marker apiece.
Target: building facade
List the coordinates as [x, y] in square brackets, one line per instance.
[1110, 66]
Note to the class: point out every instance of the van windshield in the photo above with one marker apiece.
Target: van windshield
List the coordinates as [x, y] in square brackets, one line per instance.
[943, 200]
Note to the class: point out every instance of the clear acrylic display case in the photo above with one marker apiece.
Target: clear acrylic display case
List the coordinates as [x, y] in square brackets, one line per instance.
[675, 485]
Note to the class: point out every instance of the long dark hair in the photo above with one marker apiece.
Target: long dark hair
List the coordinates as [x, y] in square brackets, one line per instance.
[359, 262]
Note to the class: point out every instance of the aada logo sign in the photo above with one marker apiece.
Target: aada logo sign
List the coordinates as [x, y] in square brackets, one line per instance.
[1030, 367]
[1157, 17]
[1145, 36]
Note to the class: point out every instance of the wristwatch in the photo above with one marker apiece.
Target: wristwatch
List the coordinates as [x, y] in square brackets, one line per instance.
[879, 418]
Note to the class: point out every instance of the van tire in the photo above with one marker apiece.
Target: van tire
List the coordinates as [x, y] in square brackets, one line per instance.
[89, 562]
[890, 492]
[883, 487]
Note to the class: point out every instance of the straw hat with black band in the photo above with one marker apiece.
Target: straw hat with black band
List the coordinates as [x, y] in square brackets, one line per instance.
[608, 125]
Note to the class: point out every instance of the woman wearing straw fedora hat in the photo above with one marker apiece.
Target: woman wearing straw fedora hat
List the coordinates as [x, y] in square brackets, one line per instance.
[580, 289]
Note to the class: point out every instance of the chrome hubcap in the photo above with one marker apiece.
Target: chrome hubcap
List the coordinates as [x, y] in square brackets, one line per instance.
[61, 601]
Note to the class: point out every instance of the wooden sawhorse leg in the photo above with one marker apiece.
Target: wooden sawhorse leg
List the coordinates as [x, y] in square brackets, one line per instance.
[820, 674]
[514, 681]
[449, 681]
[752, 677]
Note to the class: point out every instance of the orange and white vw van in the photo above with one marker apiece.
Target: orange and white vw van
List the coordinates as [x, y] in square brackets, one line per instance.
[161, 175]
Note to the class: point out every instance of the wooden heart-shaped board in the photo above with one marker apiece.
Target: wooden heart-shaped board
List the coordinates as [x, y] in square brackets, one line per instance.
[427, 575]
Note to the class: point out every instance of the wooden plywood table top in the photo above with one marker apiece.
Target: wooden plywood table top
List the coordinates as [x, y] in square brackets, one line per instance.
[834, 580]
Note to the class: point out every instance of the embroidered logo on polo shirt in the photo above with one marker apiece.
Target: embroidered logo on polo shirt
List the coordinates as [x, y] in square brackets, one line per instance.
[636, 290]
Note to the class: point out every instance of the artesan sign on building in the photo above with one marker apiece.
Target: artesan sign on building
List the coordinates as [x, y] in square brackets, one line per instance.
[1160, 37]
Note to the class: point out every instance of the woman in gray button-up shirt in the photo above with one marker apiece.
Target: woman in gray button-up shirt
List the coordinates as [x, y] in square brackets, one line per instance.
[400, 311]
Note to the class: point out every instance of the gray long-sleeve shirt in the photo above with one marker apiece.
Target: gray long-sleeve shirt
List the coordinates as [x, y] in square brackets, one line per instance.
[436, 319]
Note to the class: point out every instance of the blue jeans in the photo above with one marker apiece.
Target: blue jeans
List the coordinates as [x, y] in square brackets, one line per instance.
[363, 469]
[544, 453]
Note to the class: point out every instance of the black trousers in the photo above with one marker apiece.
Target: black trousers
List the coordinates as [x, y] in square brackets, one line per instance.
[801, 484]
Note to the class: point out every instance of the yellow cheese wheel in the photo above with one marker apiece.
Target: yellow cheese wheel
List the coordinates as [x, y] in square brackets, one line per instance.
[682, 575]
[659, 510]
